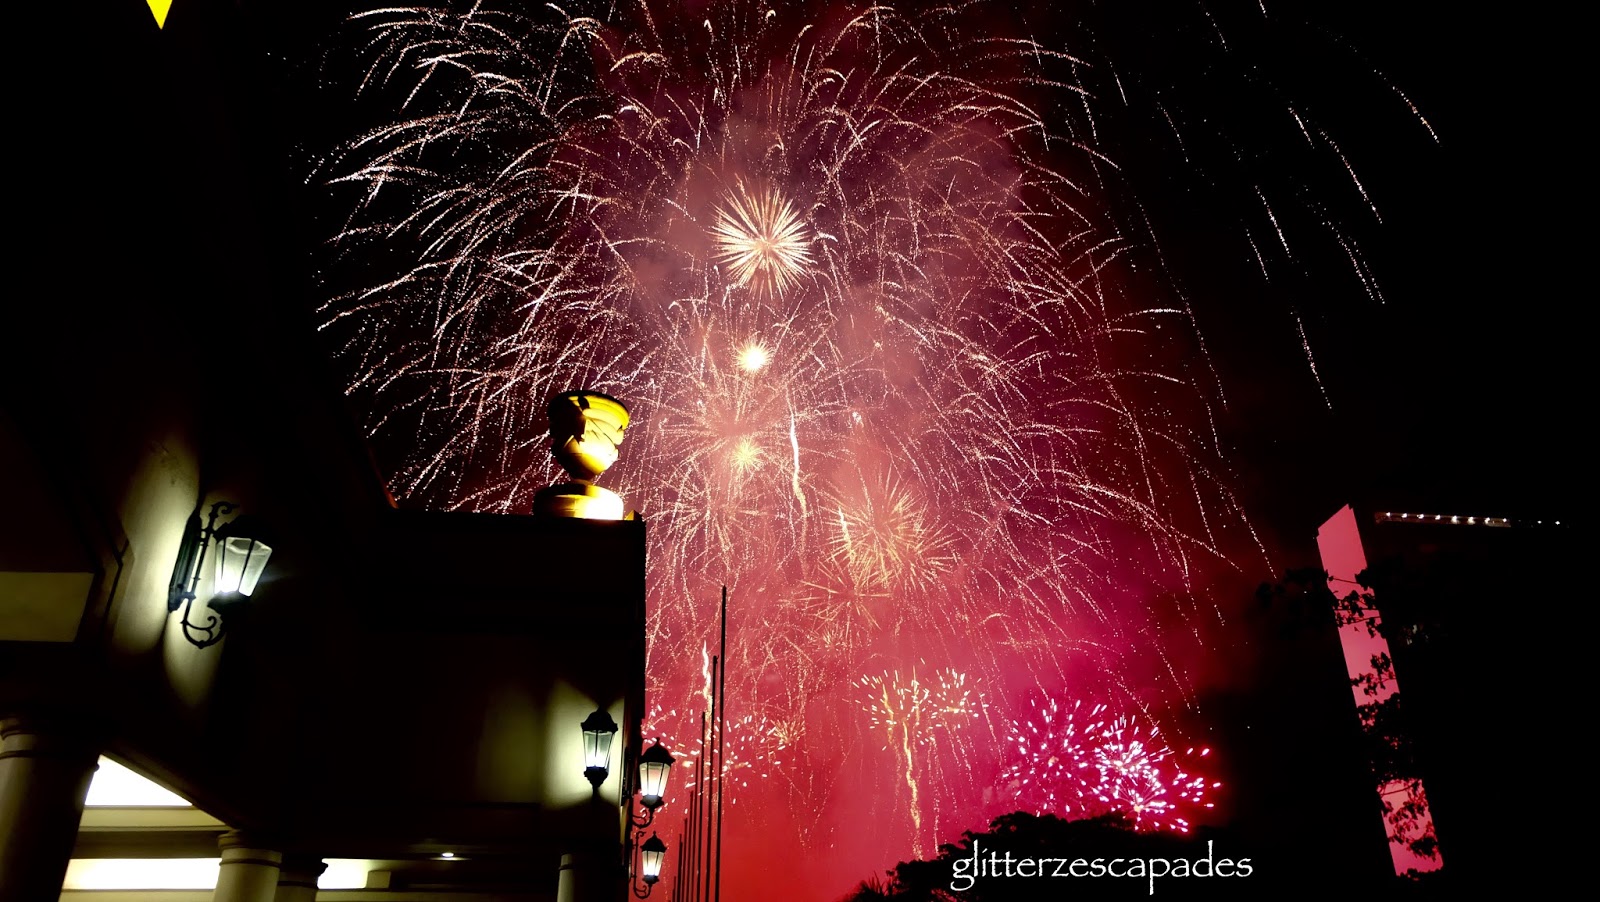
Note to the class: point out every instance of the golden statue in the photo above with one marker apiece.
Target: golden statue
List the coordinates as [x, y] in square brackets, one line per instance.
[585, 430]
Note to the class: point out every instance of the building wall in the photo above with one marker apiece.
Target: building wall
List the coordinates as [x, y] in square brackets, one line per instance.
[400, 681]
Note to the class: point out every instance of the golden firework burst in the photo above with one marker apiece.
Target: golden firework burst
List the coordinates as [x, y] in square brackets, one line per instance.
[746, 456]
[754, 356]
[762, 241]
[886, 539]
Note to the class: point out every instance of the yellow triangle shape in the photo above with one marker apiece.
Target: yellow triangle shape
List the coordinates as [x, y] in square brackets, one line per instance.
[160, 7]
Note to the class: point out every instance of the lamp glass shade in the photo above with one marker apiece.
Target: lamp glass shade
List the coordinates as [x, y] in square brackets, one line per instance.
[240, 562]
[598, 729]
[654, 765]
[651, 854]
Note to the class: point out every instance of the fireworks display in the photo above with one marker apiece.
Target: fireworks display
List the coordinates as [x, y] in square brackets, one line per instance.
[1052, 767]
[753, 749]
[904, 368]
[924, 725]
[1139, 776]
[1077, 761]
[763, 245]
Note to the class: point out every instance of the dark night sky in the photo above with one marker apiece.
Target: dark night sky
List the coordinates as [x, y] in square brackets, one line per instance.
[1468, 372]
[1469, 366]
[1464, 374]
[1463, 377]
[1464, 382]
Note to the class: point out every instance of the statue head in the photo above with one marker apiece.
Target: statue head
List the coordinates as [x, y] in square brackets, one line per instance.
[585, 429]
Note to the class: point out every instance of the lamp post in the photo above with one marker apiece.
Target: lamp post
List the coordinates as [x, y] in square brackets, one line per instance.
[241, 558]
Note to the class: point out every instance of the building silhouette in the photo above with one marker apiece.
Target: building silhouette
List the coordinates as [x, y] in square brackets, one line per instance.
[1449, 592]
[403, 687]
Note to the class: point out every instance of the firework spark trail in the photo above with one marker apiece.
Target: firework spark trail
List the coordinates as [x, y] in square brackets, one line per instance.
[895, 708]
[893, 379]
[924, 723]
[1354, 178]
[1311, 360]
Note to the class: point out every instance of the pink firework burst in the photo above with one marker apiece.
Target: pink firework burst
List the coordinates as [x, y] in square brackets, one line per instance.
[1078, 761]
[1054, 767]
[753, 748]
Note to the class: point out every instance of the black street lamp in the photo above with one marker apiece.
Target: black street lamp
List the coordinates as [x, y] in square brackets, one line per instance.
[652, 852]
[598, 730]
[241, 558]
[654, 765]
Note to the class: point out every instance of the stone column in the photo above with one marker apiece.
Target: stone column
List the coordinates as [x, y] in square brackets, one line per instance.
[593, 874]
[297, 880]
[249, 870]
[45, 769]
